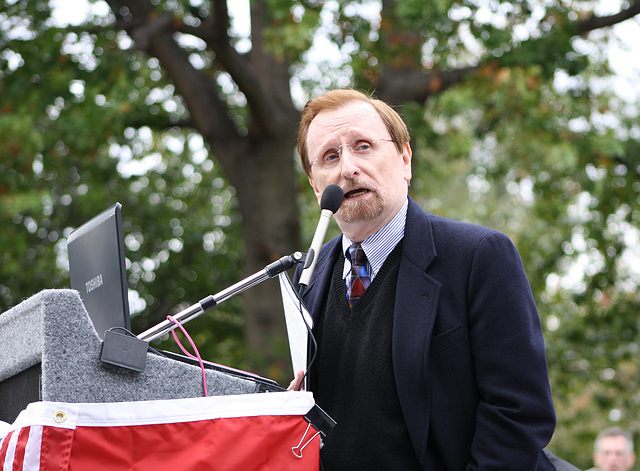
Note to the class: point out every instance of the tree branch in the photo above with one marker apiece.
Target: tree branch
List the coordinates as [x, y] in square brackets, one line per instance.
[153, 33]
[251, 78]
[396, 85]
[418, 85]
[596, 22]
[241, 71]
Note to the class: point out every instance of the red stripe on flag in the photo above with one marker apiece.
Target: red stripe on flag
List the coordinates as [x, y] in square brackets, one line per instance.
[4, 446]
[240, 443]
[55, 450]
[21, 444]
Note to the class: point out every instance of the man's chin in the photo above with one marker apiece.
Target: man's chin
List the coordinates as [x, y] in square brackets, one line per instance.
[360, 211]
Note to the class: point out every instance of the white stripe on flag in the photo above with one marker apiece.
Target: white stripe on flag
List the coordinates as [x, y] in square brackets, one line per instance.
[11, 450]
[32, 451]
[164, 411]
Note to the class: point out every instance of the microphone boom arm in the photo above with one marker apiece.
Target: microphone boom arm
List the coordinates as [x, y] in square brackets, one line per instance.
[211, 301]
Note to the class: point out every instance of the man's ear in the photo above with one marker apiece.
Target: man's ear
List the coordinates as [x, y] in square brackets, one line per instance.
[406, 160]
[316, 190]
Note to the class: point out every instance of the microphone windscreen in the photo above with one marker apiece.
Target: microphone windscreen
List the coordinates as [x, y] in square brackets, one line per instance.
[331, 198]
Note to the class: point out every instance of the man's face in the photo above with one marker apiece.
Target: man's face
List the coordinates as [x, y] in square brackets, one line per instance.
[375, 187]
[613, 455]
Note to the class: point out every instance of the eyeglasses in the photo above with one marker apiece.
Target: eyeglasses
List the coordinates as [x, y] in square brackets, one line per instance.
[361, 148]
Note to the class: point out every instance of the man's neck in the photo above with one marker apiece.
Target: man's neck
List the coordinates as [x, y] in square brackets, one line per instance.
[359, 231]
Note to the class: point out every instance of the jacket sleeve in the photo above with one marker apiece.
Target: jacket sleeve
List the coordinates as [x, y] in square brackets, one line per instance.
[515, 417]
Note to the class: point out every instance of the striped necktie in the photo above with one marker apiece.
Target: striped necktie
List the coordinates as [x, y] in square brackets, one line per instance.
[360, 276]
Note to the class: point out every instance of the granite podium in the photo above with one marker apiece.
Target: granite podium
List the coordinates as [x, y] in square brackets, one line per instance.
[50, 351]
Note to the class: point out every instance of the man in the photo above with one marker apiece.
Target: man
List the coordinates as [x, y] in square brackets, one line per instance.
[440, 364]
[613, 450]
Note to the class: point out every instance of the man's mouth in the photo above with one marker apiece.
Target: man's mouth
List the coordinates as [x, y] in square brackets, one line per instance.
[356, 193]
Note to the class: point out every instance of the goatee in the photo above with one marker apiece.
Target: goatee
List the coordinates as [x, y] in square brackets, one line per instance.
[361, 211]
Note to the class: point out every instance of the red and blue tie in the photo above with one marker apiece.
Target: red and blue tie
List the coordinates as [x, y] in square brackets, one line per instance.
[360, 276]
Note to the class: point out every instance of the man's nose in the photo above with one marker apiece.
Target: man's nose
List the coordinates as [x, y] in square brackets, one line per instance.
[349, 163]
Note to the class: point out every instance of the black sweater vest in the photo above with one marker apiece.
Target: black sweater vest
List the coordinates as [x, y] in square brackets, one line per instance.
[353, 376]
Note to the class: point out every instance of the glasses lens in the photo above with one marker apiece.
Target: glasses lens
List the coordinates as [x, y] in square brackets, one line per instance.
[361, 148]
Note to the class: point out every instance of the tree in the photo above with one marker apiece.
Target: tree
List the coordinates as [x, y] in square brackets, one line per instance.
[498, 140]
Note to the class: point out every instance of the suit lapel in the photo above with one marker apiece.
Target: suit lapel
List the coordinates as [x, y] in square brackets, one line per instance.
[318, 289]
[414, 315]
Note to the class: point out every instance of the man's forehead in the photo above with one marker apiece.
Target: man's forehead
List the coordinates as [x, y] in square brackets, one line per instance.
[353, 115]
[613, 442]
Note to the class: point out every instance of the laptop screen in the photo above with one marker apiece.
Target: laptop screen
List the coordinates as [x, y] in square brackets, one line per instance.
[97, 269]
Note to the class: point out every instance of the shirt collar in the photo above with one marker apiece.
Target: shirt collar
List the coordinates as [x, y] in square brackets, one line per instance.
[379, 245]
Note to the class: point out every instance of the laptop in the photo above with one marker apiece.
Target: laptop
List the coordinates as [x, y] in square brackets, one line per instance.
[98, 272]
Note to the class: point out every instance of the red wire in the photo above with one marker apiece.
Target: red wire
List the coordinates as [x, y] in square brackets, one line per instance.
[195, 349]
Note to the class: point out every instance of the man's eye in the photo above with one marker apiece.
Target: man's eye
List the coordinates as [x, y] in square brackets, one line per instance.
[362, 146]
[331, 156]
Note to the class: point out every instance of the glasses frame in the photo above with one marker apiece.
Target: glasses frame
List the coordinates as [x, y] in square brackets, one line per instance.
[338, 149]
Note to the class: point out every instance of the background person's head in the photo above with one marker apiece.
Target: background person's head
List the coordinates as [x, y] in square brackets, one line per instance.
[613, 450]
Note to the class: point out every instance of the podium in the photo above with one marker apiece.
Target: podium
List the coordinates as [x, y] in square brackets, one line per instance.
[50, 368]
[50, 351]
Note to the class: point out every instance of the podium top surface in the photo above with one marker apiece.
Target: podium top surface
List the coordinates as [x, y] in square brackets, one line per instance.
[52, 328]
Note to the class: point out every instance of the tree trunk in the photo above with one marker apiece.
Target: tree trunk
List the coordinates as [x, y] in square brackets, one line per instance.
[257, 160]
[267, 197]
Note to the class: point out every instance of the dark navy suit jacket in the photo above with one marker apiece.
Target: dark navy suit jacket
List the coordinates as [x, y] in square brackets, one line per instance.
[468, 352]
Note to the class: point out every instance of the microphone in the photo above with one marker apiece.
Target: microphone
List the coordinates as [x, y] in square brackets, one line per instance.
[330, 203]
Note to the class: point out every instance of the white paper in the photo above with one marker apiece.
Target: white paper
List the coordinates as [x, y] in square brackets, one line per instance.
[294, 310]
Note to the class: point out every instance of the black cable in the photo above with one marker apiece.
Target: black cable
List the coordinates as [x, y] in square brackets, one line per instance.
[313, 340]
[126, 331]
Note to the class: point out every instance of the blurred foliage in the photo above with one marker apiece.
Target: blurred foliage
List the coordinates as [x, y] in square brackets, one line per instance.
[72, 144]
[529, 143]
